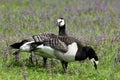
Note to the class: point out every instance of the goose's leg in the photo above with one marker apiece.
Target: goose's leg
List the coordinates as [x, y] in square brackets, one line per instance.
[17, 55]
[32, 58]
[44, 62]
[64, 65]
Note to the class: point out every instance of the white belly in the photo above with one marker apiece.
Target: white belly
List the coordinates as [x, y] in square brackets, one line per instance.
[69, 55]
[45, 51]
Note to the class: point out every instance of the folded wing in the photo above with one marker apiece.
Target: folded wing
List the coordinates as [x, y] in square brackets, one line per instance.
[50, 40]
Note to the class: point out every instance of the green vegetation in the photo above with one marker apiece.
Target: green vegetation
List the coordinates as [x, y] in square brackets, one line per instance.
[94, 22]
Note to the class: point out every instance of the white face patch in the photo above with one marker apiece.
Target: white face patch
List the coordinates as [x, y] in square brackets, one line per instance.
[93, 60]
[61, 22]
[26, 46]
[97, 62]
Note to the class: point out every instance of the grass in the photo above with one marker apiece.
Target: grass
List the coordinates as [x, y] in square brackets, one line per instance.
[94, 22]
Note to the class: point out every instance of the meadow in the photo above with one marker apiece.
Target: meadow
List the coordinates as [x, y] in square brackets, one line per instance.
[93, 22]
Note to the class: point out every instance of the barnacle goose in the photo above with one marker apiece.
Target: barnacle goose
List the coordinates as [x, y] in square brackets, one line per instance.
[64, 48]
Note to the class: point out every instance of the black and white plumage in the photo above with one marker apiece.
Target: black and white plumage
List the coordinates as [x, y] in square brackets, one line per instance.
[64, 48]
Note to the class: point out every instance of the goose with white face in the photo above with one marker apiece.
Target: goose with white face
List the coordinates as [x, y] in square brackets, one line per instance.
[60, 22]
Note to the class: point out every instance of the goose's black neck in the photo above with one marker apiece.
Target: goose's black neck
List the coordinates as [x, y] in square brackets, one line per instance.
[80, 55]
[62, 30]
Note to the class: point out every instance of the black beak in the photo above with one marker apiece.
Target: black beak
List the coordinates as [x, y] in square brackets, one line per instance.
[95, 65]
